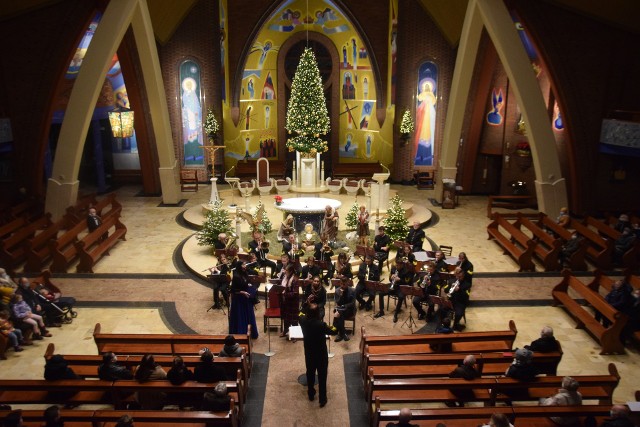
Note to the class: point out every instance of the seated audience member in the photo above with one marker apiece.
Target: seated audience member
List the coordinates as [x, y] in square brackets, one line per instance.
[623, 243]
[231, 347]
[547, 343]
[13, 419]
[36, 303]
[468, 371]
[23, 312]
[13, 335]
[57, 368]
[109, 370]
[52, 417]
[570, 247]
[179, 373]
[620, 297]
[568, 395]
[563, 219]
[619, 417]
[498, 420]
[206, 371]
[125, 421]
[404, 419]
[149, 370]
[7, 287]
[217, 401]
[623, 222]
[522, 367]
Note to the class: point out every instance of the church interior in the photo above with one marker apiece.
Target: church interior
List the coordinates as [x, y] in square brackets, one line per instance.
[463, 111]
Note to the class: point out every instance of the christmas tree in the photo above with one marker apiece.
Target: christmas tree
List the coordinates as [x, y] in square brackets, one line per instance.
[211, 124]
[307, 114]
[351, 220]
[406, 125]
[264, 224]
[217, 222]
[396, 225]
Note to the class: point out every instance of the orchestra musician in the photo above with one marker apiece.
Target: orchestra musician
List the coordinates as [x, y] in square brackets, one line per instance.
[401, 274]
[342, 267]
[345, 307]
[220, 278]
[441, 265]
[241, 313]
[415, 237]
[310, 269]
[458, 293]
[281, 266]
[253, 268]
[466, 266]
[260, 247]
[293, 249]
[430, 285]
[381, 244]
[322, 252]
[286, 229]
[407, 252]
[330, 223]
[290, 307]
[363, 225]
[315, 293]
[367, 271]
[221, 241]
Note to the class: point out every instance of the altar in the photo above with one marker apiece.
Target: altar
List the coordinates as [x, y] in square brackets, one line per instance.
[307, 210]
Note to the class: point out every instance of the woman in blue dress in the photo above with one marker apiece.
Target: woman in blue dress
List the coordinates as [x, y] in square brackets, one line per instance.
[243, 293]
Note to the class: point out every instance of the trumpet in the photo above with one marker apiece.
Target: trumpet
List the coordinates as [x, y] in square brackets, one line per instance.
[454, 288]
[264, 244]
[326, 248]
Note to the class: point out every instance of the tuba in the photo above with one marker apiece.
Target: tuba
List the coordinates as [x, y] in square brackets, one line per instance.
[230, 241]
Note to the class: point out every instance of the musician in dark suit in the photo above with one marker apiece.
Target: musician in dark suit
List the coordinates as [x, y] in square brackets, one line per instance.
[441, 265]
[220, 278]
[260, 247]
[415, 237]
[458, 293]
[401, 274]
[466, 266]
[430, 285]
[381, 244]
[342, 267]
[322, 252]
[367, 271]
[281, 266]
[315, 293]
[94, 221]
[221, 241]
[293, 249]
[345, 307]
[310, 269]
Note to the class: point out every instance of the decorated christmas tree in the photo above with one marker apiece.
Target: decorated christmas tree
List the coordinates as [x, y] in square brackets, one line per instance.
[217, 222]
[307, 115]
[396, 225]
[263, 222]
[351, 220]
[406, 125]
[211, 124]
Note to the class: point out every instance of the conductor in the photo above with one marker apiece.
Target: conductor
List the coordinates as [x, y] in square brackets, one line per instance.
[315, 350]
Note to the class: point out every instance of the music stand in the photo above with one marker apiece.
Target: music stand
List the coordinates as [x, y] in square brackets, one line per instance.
[442, 304]
[375, 287]
[270, 285]
[414, 292]
[218, 279]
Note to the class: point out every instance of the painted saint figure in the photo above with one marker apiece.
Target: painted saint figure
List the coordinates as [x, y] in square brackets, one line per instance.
[425, 125]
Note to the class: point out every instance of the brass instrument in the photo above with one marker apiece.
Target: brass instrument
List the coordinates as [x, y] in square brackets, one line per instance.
[230, 241]
[454, 288]
[264, 244]
[326, 248]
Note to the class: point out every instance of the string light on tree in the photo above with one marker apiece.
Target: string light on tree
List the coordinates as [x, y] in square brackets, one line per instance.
[307, 115]
[211, 126]
[396, 225]
[406, 125]
[217, 222]
[351, 220]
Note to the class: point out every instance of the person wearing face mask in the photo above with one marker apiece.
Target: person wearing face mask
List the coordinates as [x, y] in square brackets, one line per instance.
[570, 247]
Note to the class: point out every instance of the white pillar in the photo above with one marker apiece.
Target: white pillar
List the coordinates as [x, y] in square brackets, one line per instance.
[214, 191]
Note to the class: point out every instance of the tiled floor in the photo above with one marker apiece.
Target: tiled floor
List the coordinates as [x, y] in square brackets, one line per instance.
[145, 290]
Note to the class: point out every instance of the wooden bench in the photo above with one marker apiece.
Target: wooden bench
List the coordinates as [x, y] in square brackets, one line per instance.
[355, 170]
[514, 242]
[609, 337]
[12, 249]
[12, 226]
[600, 280]
[38, 250]
[599, 249]
[434, 365]
[80, 211]
[463, 342]
[63, 250]
[86, 366]
[548, 248]
[576, 261]
[523, 416]
[247, 169]
[93, 246]
[31, 209]
[166, 344]
[630, 257]
[510, 202]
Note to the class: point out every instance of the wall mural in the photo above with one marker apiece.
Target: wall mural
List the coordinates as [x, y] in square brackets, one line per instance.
[256, 133]
[222, 8]
[426, 97]
[192, 135]
[494, 116]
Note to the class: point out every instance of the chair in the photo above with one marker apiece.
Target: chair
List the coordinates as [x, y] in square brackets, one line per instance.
[283, 185]
[246, 188]
[272, 310]
[263, 182]
[334, 185]
[447, 250]
[353, 186]
[351, 319]
[188, 180]
[425, 180]
[395, 297]
[363, 251]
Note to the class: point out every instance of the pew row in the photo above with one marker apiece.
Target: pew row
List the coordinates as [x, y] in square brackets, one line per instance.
[38, 250]
[547, 249]
[12, 248]
[576, 261]
[97, 243]
[599, 249]
[513, 241]
[608, 337]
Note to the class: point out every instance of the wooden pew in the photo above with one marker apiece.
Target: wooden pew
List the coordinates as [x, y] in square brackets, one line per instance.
[63, 250]
[109, 417]
[93, 247]
[525, 416]
[600, 280]
[609, 338]
[166, 344]
[355, 170]
[12, 249]
[510, 202]
[630, 257]
[576, 261]
[548, 248]
[31, 209]
[80, 210]
[38, 250]
[522, 251]
[434, 365]
[12, 226]
[86, 366]
[599, 250]
[463, 342]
